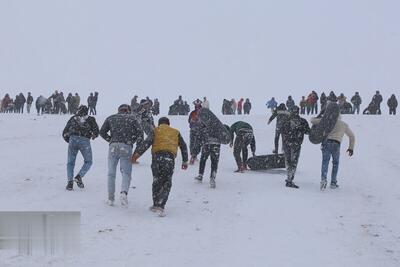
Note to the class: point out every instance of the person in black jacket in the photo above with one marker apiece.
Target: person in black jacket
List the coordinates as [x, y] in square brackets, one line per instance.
[323, 100]
[29, 101]
[377, 100]
[293, 131]
[247, 106]
[77, 133]
[91, 105]
[356, 101]
[121, 131]
[392, 104]
[281, 114]
[244, 138]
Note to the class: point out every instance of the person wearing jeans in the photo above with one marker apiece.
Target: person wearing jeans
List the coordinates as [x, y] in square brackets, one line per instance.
[121, 131]
[77, 133]
[331, 148]
[119, 152]
[78, 144]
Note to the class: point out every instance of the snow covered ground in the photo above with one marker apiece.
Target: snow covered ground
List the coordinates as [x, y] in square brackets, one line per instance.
[250, 219]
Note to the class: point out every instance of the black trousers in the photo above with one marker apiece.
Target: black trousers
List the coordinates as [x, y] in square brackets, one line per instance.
[242, 141]
[195, 142]
[292, 154]
[392, 111]
[212, 151]
[277, 135]
[162, 166]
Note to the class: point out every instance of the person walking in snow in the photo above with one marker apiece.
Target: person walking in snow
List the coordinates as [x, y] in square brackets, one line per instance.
[144, 112]
[90, 102]
[293, 130]
[377, 100]
[211, 148]
[331, 149]
[155, 109]
[244, 138]
[121, 131]
[303, 105]
[164, 141]
[233, 106]
[77, 133]
[206, 103]
[392, 104]
[281, 114]
[356, 101]
[240, 106]
[29, 101]
[272, 104]
[323, 100]
[290, 103]
[247, 106]
[195, 133]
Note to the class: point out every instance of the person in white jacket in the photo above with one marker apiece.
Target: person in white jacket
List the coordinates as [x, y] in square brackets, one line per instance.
[331, 148]
[206, 103]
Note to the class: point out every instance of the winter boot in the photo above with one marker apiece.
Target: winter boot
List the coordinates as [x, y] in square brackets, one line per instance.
[199, 178]
[323, 184]
[212, 180]
[334, 186]
[153, 209]
[70, 185]
[240, 169]
[78, 180]
[291, 184]
[124, 199]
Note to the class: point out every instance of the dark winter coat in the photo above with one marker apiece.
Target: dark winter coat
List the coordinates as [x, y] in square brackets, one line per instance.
[290, 103]
[122, 128]
[293, 130]
[91, 101]
[247, 106]
[281, 115]
[81, 126]
[392, 102]
[377, 99]
[29, 100]
[239, 126]
[332, 97]
[356, 100]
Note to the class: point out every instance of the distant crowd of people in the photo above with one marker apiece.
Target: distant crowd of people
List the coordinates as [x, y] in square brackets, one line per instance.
[58, 104]
[309, 105]
[54, 104]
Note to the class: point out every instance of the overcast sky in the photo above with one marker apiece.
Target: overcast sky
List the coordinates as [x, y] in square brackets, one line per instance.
[218, 48]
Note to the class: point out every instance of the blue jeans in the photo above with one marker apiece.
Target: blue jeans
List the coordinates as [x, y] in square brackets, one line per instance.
[76, 144]
[119, 152]
[330, 149]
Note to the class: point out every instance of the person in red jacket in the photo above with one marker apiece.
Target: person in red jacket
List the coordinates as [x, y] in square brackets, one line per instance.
[240, 106]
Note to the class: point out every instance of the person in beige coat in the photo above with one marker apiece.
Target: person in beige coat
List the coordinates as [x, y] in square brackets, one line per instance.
[331, 148]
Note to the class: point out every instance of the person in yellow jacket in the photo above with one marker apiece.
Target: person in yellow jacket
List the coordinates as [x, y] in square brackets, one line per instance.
[164, 141]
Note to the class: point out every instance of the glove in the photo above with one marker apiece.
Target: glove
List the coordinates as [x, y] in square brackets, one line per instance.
[184, 166]
[350, 152]
[134, 158]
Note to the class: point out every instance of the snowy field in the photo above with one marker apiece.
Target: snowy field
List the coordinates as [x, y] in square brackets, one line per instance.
[250, 219]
